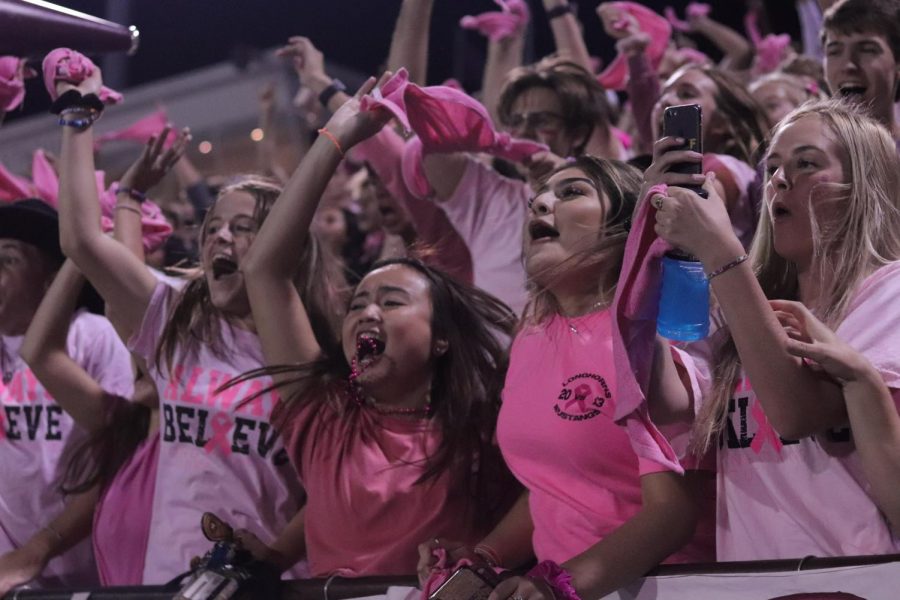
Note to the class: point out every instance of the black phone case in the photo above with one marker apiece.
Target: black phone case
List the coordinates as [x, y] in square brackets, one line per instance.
[684, 121]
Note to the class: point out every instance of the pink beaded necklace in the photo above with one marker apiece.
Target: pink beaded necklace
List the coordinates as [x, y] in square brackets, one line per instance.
[356, 393]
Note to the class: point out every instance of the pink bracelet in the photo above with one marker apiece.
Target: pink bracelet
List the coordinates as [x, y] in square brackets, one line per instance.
[557, 578]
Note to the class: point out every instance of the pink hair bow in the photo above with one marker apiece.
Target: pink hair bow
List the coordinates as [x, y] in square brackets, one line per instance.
[13, 73]
[446, 120]
[615, 76]
[512, 17]
[64, 64]
[694, 10]
[635, 309]
[142, 130]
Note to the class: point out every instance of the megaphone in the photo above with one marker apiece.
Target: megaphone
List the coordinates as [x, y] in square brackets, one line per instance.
[33, 27]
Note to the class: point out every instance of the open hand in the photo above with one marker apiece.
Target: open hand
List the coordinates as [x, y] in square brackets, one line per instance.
[350, 124]
[308, 61]
[154, 162]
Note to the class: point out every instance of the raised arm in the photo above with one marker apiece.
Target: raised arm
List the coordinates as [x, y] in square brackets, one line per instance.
[71, 526]
[266, 148]
[409, 42]
[502, 57]
[737, 49]
[271, 263]
[567, 33]
[797, 401]
[45, 351]
[121, 278]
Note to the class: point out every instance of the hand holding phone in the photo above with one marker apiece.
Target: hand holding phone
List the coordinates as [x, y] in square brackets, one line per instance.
[684, 122]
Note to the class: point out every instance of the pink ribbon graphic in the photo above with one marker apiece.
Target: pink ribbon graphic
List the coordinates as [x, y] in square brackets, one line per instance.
[221, 424]
[764, 430]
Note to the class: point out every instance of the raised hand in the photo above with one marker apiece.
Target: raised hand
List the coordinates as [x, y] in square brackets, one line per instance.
[350, 125]
[155, 161]
[308, 62]
[617, 23]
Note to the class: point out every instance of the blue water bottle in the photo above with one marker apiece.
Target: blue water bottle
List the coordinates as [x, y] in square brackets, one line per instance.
[683, 299]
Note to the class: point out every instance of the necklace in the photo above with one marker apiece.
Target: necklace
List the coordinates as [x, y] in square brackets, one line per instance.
[592, 308]
[424, 411]
[356, 393]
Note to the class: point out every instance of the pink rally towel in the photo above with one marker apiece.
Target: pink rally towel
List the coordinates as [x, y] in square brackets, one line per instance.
[770, 50]
[635, 309]
[142, 130]
[154, 227]
[694, 9]
[445, 120]
[512, 18]
[64, 64]
[615, 76]
[13, 73]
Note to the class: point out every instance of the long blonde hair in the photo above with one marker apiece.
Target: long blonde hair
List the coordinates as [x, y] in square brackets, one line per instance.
[845, 250]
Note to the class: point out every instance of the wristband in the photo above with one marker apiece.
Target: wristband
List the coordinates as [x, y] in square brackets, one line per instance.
[328, 93]
[727, 267]
[559, 580]
[74, 99]
[561, 10]
[132, 193]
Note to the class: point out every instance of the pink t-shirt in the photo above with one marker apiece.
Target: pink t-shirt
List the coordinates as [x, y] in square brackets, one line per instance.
[786, 498]
[36, 435]
[365, 515]
[122, 518]
[214, 455]
[489, 212]
[558, 437]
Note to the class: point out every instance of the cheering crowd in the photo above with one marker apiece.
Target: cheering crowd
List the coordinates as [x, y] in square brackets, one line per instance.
[435, 341]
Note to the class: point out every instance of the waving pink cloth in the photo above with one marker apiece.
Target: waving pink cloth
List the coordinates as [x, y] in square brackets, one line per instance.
[142, 130]
[635, 309]
[770, 50]
[13, 74]
[694, 10]
[446, 120]
[615, 76]
[64, 64]
[512, 17]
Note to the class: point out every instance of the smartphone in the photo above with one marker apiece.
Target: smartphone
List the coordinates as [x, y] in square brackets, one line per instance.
[467, 583]
[684, 121]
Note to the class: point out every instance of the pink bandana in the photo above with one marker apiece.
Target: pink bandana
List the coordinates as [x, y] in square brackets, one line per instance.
[68, 65]
[13, 74]
[446, 120]
[512, 18]
[615, 76]
[142, 130]
[635, 310]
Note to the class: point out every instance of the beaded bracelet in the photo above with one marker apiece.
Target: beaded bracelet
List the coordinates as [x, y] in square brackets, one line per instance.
[132, 193]
[488, 554]
[727, 267]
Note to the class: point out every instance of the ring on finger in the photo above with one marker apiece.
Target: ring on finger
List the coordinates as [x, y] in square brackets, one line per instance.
[657, 201]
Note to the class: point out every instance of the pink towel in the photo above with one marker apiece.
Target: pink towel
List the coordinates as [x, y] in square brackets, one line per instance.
[615, 76]
[512, 17]
[154, 227]
[694, 9]
[13, 74]
[770, 50]
[447, 120]
[64, 64]
[142, 130]
[635, 309]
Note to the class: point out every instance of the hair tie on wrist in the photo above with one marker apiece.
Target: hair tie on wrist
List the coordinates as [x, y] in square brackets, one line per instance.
[74, 99]
[561, 10]
[324, 131]
[132, 193]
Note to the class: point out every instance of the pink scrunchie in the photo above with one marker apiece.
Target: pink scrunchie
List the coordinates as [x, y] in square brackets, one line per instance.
[13, 74]
[512, 17]
[64, 64]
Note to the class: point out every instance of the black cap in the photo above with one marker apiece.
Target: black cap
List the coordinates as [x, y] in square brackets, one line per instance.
[34, 222]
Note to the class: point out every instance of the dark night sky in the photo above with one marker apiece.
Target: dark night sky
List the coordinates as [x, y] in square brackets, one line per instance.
[182, 35]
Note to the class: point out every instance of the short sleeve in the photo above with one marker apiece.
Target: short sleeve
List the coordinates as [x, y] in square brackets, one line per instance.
[96, 347]
[144, 341]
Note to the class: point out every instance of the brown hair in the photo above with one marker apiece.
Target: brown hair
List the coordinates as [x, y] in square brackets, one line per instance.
[845, 251]
[195, 320]
[620, 183]
[881, 17]
[583, 100]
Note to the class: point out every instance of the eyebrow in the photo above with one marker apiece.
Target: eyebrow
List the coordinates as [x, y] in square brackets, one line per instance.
[797, 150]
[384, 289]
[546, 187]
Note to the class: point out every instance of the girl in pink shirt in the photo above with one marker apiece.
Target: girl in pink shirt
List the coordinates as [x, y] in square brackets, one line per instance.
[807, 461]
[591, 503]
[406, 449]
[215, 453]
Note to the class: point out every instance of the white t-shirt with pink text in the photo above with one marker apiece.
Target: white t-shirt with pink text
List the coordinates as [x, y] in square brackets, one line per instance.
[217, 454]
[37, 435]
[782, 498]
